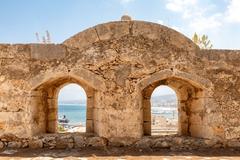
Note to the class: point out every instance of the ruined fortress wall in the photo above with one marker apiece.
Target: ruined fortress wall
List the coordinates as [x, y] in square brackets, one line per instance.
[223, 69]
[119, 64]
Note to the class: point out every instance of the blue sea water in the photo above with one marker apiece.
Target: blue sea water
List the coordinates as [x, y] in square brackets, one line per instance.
[75, 113]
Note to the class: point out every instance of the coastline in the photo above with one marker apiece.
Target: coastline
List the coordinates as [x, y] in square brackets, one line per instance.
[72, 128]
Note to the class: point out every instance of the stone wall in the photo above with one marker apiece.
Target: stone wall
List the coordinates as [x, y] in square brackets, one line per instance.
[119, 64]
[77, 140]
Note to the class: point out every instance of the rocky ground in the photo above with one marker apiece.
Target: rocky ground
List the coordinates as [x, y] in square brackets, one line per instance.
[83, 146]
[118, 153]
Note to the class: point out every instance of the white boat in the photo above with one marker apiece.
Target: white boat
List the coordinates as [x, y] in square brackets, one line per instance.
[63, 120]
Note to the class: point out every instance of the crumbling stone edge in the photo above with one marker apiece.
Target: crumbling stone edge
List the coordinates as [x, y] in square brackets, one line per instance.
[75, 140]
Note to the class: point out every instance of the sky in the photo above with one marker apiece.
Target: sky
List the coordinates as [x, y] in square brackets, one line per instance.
[75, 92]
[72, 92]
[21, 19]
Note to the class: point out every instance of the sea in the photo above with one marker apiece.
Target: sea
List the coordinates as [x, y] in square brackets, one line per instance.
[76, 113]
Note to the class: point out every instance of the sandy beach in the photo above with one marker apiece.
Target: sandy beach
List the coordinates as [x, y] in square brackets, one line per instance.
[62, 128]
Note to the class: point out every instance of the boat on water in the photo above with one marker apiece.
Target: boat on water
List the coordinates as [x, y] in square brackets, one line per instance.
[63, 119]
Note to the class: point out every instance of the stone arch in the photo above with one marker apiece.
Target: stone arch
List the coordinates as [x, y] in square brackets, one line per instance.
[164, 74]
[83, 75]
[168, 42]
[192, 92]
[43, 108]
[119, 29]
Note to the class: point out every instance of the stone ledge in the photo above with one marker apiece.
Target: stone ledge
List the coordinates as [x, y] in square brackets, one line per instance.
[80, 140]
[47, 52]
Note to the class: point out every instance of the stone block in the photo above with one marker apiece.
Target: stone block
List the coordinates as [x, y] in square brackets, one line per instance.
[90, 102]
[183, 129]
[233, 143]
[97, 142]
[19, 51]
[201, 131]
[79, 141]
[121, 141]
[2, 145]
[14, 144]
[147, 115]
[146, 104]
[52, 126]
[162, 144]
[90, 113]
[83, 39]
[65, 141]
[213, 119]
[113, 30]
[89, 126]
[52, 114]
[35, 144]
[183, 117]
[47, 52]
[145, 143]
[198, 105]
[149, 30]
[195, 119]
[147, 128]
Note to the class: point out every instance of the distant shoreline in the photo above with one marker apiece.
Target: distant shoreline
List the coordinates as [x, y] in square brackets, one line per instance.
[72, 104]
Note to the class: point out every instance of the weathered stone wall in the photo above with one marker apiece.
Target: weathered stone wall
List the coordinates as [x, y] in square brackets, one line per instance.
[119, 64]
[76, 140]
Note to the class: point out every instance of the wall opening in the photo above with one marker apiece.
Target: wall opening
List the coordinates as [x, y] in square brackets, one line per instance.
[164, 111]
[72, 108]
[191, 106]
[46, 98]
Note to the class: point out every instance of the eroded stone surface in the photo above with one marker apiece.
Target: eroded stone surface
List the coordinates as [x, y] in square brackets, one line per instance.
[119, 64]
[73, 140]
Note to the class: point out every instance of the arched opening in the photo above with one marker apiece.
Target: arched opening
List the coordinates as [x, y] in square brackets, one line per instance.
[164, 111]
[192, 100]
[44, 105]
[72, 109]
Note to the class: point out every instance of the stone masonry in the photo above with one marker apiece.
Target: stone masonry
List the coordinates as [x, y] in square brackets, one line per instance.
[119, 64]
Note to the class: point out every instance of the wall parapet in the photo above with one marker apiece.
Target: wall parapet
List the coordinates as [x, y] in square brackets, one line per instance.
[231, 57]
[116, 62]
[76, 140]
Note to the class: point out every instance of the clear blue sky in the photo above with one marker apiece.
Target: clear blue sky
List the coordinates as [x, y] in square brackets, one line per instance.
[21, 19]
[76, 92]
